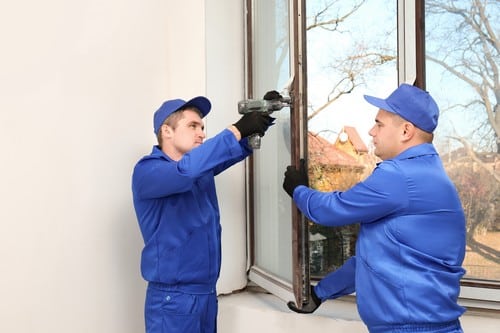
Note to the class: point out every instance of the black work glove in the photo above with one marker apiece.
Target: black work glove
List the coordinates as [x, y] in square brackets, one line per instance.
[272, 95]
[294, 177]
[310, 307]
[253, 123]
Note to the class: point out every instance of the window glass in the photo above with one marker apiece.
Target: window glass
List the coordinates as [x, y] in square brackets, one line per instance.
[271, 71]
[462, 66]
[351, 51]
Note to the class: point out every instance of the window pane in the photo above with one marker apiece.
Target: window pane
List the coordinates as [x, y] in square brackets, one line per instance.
[351, 51]
[273, 232]
[462, 58]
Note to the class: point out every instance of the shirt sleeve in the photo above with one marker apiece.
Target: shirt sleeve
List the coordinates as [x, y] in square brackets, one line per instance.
[339, 282]
[246, 151]
[158, 177]
[381, 194]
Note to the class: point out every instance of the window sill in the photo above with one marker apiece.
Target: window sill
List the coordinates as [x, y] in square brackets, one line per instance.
[254, 310]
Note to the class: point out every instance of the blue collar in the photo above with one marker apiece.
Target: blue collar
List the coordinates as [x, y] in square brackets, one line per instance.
[415, 151]
[158, 153]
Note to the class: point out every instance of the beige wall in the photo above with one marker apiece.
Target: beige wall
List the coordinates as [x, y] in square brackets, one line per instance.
[79, 81]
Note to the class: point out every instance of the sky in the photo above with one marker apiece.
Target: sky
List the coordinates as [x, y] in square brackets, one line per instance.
[372, 27]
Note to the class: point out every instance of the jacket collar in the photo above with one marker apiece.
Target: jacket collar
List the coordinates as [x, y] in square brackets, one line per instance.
[418, 150]
[156, 152]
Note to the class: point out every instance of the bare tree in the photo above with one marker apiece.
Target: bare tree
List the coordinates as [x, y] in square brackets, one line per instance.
[462, 39]
[469, 49]
[352, 67]
[345, 67]
[323, 18]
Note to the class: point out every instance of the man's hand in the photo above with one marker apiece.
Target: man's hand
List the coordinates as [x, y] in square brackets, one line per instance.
[253, 123]
[273, 95]
[294, 178]
[314, 303]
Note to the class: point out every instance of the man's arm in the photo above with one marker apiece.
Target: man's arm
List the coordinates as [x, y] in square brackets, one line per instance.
[381, 194]
[339, 282]
[156, 177]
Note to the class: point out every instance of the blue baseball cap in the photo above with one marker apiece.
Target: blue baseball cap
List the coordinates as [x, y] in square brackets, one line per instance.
[411, 103]
[170, 106]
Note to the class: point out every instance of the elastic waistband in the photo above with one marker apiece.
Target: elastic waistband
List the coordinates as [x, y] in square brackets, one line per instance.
[193, 288]
[433, 327]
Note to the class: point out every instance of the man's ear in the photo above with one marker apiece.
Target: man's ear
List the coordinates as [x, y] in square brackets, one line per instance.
[167, 130]
[408, 131]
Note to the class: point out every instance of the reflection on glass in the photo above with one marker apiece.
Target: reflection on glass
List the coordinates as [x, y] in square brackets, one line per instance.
[351, 51]
[462, 64]
[273, 229]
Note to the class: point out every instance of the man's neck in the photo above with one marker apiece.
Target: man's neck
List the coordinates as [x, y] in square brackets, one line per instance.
[174, 154]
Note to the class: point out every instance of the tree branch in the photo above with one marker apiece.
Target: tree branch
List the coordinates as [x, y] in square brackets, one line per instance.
[473, 156]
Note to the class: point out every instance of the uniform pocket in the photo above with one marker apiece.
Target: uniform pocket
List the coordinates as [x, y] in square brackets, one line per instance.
[178, 302]
[179, 313]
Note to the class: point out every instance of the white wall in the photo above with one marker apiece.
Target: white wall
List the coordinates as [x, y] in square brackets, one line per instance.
[225, 86]
[79, 82]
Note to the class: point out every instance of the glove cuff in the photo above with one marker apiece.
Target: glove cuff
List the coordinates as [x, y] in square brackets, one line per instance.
[315, 297]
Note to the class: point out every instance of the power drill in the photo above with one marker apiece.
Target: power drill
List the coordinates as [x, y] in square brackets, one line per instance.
[261, 105]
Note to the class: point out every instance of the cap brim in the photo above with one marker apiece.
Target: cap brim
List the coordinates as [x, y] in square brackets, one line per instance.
[380, 103]
[201, 103]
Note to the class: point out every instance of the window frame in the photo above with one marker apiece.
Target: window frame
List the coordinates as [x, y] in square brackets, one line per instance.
[475, 294]
[298, 92]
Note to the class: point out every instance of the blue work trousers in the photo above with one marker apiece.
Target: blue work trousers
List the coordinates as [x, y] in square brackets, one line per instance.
[170, 310]
[451, 327]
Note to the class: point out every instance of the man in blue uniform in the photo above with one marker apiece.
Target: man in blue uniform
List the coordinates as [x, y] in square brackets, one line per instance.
[176, 206]
[411, 243]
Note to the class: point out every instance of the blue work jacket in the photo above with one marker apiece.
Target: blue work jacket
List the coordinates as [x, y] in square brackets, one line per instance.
[178, 213]
[410, 246]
